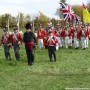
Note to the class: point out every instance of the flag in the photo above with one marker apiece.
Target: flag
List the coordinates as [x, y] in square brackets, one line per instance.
[86, 15]
[67, 11]
[76, 17]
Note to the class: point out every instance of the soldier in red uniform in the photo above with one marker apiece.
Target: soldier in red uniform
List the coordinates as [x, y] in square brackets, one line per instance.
[83, 40]
[76, 40]
[67, 43]
[71, 35]
[51, 43]
[40, 36]
[86, 36]
[45, 38]
[79, 32]
[16, 41]
[5, 40]
[63, 35]
[54, 31]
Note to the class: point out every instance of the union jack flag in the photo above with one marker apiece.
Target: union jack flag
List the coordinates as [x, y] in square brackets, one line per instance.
[76, 17]
[67, 12]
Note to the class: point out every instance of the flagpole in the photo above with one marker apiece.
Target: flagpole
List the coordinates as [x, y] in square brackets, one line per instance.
[8, 23]
[33, 24]
[18, 20]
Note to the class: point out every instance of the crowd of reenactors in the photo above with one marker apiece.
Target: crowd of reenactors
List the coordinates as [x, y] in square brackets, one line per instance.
[66, 36]
[50, 38]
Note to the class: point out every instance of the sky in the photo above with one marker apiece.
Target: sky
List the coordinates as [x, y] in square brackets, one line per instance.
[32, 7]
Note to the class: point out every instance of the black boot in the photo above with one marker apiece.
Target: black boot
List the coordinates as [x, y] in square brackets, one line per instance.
[54, 59]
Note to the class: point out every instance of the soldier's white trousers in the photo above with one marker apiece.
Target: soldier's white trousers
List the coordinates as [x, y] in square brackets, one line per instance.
[59, 43]
[40, 43]
[87, 40]
[67, 42]
[76, 43]
[83, 40]
[70, 41]
[62, 41]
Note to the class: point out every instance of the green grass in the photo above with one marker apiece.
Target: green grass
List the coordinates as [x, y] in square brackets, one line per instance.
[72, 70]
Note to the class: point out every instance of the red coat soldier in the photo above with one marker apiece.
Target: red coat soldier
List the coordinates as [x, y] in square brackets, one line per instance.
[6, 41]
[45, 38]
[40, 36]
[16, 41]
[51, 43]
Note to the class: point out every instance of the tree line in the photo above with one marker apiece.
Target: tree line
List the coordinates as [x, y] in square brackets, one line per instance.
[23, 19]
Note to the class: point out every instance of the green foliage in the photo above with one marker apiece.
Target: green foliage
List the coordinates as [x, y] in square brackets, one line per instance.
[63, 1]
[88, 6]
[72, 69]
[43, 19]
[78, 10]
[23, 19]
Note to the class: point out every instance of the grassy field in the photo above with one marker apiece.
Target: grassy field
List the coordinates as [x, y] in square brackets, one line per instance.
[72, 70]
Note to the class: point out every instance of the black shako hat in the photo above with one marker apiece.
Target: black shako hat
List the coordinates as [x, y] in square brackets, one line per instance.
[5, 29]
[50, 31]
[28, 26]
[15, 28]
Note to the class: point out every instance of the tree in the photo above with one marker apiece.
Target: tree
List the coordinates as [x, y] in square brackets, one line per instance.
[43, 19]
[21, 20]
[78, 10]
[27, 18]
[88, 6]
[58, 12]
[63, 1]
[4, 20]
[0, 21]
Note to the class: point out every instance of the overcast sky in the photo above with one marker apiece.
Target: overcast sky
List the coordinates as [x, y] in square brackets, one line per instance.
[32, 7]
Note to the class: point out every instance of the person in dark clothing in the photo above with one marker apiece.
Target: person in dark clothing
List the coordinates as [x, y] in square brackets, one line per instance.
[30, 40]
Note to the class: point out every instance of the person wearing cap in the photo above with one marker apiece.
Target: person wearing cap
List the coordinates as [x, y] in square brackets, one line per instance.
[51, 43]
[30, 41]
[6, 41]
[16, 41]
